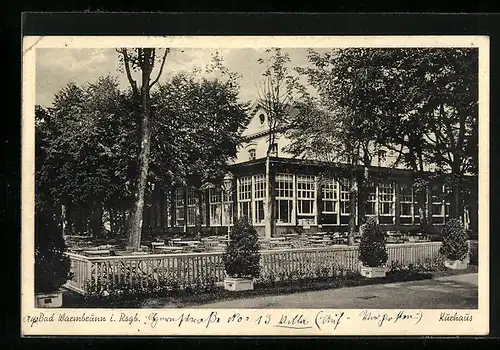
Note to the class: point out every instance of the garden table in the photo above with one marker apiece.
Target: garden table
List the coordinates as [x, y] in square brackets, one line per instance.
[140, 253]
[101, 252]
[171, 249]
[156, 245]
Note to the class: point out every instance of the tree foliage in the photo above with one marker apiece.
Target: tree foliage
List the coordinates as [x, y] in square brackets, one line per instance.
[87, 144]
[197, 127]
[83, 157]
[419, 103]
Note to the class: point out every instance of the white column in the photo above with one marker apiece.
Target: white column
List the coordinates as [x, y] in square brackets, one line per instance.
[339, 199]
[294, 200]
[315, 202]
[237, 199]
[252, 200]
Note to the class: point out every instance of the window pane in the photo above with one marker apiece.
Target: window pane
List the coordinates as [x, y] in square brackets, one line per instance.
[227, 214]
[244, 188]
[215, 195]
[245, 210]
[259, 212]
[386, 198]
[345, 207]
[330, 207]
[259, 186]
[215, 214]
[191, 196]
[284, 186]
[370, 208]
[306, 206]
[437, 209]
[179, 197]
[191, 215]
[406, 209]
[385, 208]
[283, 210]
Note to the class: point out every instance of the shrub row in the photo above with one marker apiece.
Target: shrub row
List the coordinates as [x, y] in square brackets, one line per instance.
[113, 291]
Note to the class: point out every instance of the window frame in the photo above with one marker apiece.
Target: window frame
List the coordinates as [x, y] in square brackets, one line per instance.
[330, 186]
[180, 192]
[252, 154]
[382, 198]
[284, 193]
[244, 196]
[345, 197]
[306, 194]
[259, 189]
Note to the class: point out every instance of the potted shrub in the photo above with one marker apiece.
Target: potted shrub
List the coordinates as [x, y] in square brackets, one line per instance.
[455, 247]
[242, 257]
[372, 250]
[52, 267]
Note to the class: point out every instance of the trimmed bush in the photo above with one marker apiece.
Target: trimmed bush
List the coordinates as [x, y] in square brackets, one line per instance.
[52, 267]
[372, 249]
[455, 245]
[242, 257]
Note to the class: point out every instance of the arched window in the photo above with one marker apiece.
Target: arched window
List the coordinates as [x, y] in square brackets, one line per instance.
[262, 119]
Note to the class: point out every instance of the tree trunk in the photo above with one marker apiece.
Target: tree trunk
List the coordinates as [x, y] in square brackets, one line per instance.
[198, 215]
[69, 220]
[135, 226]
[362, 196]
[352, 211]
[421, 202]
[269, 214]
[353, 194]
[423, 210]
[96, 221]
[112, 221]
[455, 205]
[163, 213]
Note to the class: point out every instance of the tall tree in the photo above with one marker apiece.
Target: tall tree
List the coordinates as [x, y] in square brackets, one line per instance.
[275, 96]
[348, 127]
[142, 60]
[82, 159]
[202, 121]
[425, 104]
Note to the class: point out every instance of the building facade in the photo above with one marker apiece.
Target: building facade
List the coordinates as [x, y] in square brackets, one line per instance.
[309, 195]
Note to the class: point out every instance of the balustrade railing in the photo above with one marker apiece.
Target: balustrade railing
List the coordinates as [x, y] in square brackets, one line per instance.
[188, 268]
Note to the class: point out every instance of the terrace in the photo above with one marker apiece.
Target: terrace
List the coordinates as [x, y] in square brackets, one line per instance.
[190, 260]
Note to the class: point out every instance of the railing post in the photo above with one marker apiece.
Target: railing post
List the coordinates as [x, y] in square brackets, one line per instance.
[87, 277]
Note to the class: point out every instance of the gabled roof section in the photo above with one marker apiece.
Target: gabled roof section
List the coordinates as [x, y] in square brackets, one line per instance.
[255, 128]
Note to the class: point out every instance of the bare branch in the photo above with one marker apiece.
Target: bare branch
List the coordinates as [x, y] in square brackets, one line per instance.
[126, 63]
[161, 67]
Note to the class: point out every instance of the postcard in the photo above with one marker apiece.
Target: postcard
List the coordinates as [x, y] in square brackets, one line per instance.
[255, 185]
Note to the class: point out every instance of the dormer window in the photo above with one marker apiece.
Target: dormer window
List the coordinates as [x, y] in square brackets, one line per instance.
[252, 154]
[262, 119]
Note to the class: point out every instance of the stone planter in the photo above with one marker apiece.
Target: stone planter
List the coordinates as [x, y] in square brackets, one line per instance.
[456, 264]
[373, 272]
[48, 300]
[238, 284]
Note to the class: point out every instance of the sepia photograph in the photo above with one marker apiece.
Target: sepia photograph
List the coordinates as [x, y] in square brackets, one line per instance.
[315, 177]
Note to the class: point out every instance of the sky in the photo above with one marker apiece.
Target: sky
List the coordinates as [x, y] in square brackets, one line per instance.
[55, 68]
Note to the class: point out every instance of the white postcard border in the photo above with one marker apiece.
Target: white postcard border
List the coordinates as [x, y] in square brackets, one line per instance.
[350, 322]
